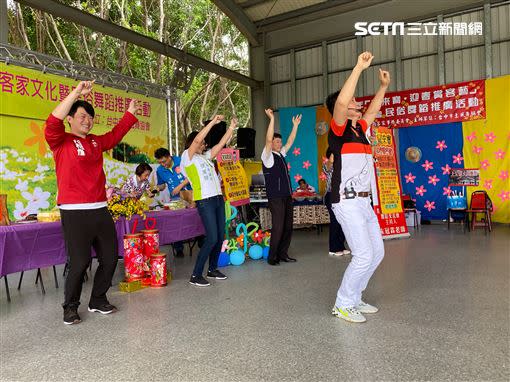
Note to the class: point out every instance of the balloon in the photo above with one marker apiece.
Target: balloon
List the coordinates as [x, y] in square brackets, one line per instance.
[255, 252]
[224, 259]
[255, 228]
[224, 246]
[242, 227]
[237, 257]
[232, 245]
[265, 253]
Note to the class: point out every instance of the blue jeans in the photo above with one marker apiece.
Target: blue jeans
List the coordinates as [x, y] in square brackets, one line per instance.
[212, 213]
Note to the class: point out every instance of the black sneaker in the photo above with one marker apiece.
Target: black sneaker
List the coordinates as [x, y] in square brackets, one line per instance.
[216, 274]
[199, 281]
[71, 315]
[103, 309]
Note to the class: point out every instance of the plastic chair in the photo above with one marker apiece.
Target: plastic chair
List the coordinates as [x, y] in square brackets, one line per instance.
[407, 198]
[480, 204]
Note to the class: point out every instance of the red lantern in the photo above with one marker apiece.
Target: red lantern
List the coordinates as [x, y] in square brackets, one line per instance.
[150, 246]
[133, 257]
[158, 270]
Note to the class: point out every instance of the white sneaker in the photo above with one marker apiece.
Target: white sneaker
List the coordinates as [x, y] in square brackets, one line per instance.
[339, 253]
[348, 314]
[346, 252]
[363, 307]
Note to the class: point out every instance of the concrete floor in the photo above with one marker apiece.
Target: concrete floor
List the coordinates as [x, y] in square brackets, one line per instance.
[444, 315]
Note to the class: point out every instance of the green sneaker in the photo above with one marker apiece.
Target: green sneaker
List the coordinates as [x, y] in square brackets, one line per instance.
[348, 314]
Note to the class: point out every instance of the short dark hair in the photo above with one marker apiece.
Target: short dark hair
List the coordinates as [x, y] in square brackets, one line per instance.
[301, 180]
[329, 152]
[277, 135]
[161, 152]
[189, 139]
[84, 104]
[331, 100]
[142, 167]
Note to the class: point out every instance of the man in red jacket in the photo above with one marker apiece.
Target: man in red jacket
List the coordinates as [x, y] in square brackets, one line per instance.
[86, 221]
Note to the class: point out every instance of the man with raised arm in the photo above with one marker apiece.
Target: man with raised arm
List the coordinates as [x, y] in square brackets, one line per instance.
[352, 184]
[279, 190]
[81, 181]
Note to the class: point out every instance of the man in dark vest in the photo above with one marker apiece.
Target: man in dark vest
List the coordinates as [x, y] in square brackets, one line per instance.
[278, 189]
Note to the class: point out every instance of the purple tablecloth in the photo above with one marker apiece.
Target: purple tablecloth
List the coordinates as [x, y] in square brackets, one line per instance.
[38, 245]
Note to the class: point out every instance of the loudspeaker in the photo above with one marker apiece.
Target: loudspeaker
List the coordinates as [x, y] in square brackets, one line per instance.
[215, 134]
[246, 142]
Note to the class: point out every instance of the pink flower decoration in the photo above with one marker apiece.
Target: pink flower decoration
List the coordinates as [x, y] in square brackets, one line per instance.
[296, 151]
[447, 191]
[504, 195]
[503, 175]
[457, 158]
[484, 164]
[487, 184]
[306, 164]
[477, 150]
[427, 165]
[433, 179]
[490, 137]
[420, 190]
[323, 176]
[297, 177]
[446, 169]
[441, 145]
[288, 166]
[430, 205]
[410, 178]
[324, 160]
[471, 137]
[500, 154]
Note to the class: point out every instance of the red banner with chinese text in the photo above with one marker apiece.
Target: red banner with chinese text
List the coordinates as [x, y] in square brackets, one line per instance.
[463, 101]
[389, 211]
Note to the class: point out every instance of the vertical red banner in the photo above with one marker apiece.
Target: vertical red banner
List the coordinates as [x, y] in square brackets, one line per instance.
[389, 211]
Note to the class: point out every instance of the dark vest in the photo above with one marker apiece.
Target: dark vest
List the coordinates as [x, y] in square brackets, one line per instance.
[277, 178]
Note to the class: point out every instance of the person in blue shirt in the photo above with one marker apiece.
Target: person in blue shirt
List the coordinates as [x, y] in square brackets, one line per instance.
[169, 174]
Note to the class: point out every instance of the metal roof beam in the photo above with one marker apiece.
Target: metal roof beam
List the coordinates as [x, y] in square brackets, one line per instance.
[106, 27]
[239, 18]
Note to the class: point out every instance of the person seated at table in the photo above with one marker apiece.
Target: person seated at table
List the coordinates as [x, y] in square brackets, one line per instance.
[199, 169]
[169, 174]
[86, 221]
[304, 187]
[138, 184]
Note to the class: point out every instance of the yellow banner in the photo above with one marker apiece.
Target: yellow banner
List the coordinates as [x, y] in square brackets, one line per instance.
[487, 147]
[388, 183]
[27, 169]
[234, 178]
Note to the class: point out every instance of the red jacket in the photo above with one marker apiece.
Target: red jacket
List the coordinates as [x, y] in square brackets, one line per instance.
[79, 161]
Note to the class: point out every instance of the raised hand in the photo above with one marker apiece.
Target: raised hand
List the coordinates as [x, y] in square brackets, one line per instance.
[135, 106]
[384, 77]
[269, 113]
[296, 120]
[218, 118]
[84, 88]
[364, 60]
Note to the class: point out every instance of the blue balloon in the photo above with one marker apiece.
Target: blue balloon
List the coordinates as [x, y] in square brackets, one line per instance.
[237, 257]
[265, 253]
[224, 259]
[255, 252]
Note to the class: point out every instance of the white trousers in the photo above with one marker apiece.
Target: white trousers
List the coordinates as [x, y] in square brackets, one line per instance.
[363, 234]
